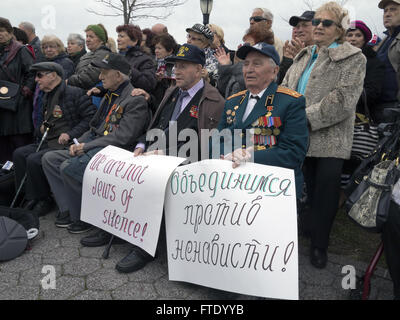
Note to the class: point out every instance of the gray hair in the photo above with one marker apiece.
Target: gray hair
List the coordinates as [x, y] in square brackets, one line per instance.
[77, 38]
[28, 26]
[267, 14]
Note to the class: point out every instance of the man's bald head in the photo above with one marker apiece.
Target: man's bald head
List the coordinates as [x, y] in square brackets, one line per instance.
[159, 29]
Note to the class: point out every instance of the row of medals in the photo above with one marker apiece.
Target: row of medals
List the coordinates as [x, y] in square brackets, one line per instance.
[256, 125]
[108, 127]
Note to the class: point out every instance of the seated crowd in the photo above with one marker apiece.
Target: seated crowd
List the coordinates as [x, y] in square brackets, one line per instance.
[79, 98]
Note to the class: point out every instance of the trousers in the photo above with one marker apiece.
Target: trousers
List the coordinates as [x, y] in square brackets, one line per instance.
[391, 245]
[66, 190]
[27, 160]
[322, 177]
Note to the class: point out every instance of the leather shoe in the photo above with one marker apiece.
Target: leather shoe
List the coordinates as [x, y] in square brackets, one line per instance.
[99, 238]
[318, 257]
[79, 227]
[134, 261]
[43, 207]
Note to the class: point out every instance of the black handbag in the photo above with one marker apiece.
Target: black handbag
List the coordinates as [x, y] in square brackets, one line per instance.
[369, 203]
[9, 93]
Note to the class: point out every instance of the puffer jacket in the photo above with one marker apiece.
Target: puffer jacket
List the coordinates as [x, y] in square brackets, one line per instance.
[143, 69]
[87, 76]
[332, 92]
[77, 109]
[67, 64]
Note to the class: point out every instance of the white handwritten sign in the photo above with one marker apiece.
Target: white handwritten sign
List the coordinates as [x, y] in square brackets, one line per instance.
[124, 195]
[233, 229]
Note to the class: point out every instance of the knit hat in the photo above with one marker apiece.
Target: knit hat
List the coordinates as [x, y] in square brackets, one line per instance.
[358, 24]
[99, 31]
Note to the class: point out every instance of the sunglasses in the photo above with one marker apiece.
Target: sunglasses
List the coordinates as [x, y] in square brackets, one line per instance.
[40, 75]
[326, 23]
[257, 19]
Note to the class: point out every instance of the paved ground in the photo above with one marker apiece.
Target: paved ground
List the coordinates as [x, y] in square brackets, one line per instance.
[81, 274]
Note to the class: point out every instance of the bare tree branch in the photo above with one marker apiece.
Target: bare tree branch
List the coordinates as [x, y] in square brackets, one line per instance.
[132, 10]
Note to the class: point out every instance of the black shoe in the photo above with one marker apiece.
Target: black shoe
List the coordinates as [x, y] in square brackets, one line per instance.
[43, 207]
[100, 238]
[97, 239]
[79, 227]
[63, 220]
[318, 257]
[134, 261]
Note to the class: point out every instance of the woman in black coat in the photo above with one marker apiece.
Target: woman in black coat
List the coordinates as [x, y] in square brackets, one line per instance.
[15, 126]
[143, 68]
[359, 35]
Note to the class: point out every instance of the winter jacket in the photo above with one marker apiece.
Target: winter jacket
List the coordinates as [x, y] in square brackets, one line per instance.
[334, 87]
[230, 80]
[19, 122]
[375, 72]
[76, 109]
[67, 64]
[75, 58]
[87, 76]
[143, 69]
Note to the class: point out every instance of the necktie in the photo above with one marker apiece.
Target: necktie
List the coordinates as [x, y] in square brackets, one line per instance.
[178, 106]
[252, 102]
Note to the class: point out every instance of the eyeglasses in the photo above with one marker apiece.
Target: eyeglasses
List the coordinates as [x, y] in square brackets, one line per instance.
[257, 19]
[49, 47]
[40, 75]
[190, 37]
[326, 23]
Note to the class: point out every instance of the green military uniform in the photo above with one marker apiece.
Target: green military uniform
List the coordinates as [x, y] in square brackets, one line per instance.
[279, 123]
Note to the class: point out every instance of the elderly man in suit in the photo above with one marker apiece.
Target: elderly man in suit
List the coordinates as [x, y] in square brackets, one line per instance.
[192, 104]
[120, 121]
[274, 114]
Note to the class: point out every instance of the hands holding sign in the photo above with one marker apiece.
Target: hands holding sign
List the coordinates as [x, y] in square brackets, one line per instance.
[140, 152]
[238, 156]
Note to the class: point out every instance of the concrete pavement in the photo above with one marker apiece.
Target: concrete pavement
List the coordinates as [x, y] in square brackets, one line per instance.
[82, 274]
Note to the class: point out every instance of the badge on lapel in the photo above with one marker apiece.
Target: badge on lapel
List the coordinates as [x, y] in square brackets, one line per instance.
[194, 112]
[57, 112]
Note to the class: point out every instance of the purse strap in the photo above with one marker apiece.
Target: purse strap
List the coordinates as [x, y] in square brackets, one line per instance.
[9, 76]
[366, 109]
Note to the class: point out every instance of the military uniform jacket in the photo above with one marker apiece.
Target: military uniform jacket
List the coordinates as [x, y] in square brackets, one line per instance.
[279, 123]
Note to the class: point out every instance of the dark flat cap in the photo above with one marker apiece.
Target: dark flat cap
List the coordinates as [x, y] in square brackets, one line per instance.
[113, 61]
[48, 66]
[306, 16]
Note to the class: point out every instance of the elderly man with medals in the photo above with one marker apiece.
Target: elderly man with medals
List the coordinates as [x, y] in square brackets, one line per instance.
[119, 121]
[274, 115]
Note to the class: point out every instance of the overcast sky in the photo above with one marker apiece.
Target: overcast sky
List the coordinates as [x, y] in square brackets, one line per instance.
[62, 17]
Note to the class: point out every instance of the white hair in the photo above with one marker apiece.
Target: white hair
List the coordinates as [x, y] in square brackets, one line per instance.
[28, 26]
[77, 38]
[267, 14]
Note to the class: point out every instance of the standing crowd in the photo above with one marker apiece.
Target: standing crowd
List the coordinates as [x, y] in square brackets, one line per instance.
[299, 99]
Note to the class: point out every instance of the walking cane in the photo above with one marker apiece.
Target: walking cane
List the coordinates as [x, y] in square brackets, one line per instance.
[48, 126]
[106, 252]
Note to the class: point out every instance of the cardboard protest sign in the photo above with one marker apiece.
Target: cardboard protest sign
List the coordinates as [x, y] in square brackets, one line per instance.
[233, 229]
[124, 195]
